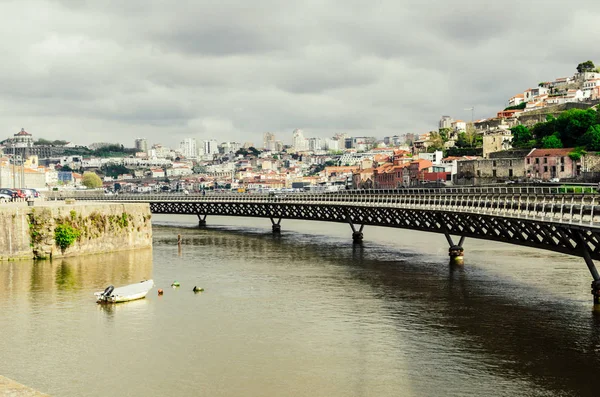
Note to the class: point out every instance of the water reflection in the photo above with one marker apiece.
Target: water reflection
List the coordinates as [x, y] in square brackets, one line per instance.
[521, 332]
[74, 273]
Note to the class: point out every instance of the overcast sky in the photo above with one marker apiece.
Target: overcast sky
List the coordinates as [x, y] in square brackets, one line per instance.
[113, 70]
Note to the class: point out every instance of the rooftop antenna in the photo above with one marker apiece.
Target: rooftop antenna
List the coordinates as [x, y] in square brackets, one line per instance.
[472, 108]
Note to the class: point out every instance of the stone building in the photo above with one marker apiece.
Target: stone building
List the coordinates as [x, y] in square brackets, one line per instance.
[485, 171]
[496, 141]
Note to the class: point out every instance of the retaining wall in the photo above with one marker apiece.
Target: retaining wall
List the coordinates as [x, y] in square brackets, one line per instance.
[87, 228]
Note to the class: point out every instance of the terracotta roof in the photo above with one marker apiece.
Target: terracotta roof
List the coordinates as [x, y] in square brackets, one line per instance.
[22, 133]
[550, 152]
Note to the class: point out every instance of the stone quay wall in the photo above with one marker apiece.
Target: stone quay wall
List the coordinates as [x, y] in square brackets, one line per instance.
[59, 229]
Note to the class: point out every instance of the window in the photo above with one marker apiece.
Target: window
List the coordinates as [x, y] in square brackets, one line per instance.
[545, 160]
[510, 172]
[478, 172]
[537, 160]
[545, 168]
[510, 163]
[527, 160]
[562, 168]
[494, 173]
[494, 163]
[562, 160]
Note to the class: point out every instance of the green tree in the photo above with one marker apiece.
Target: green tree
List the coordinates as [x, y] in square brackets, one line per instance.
[114, 170]
[91, 180]
[572, 124]
[587, 66]
[436, 141]
[552, 142]
[591, 139]
[521, 136]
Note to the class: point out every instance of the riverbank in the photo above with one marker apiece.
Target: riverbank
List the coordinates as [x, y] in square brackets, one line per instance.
[10, 388]
[51, 229]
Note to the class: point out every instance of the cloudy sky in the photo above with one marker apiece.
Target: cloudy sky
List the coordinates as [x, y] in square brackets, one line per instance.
[112, 70]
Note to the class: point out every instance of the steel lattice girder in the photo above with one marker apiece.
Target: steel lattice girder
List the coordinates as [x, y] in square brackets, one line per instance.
[553, 236]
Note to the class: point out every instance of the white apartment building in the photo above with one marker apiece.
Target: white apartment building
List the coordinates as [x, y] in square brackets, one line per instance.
[210, 147]
[332, 144]
[299, 142]
[315, 144]
[230, 147]
[188, 148]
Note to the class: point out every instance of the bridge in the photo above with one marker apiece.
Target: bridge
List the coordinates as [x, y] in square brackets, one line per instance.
[538, 217]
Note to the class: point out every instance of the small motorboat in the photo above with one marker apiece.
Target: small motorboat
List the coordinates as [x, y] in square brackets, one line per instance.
[124, 294]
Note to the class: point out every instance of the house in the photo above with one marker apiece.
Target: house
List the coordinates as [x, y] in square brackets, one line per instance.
[484, 171]
[414, 174]
[459, 125]
[506, 114]
[546, 164]
[157, 172]
[389, 176]
[516, 100]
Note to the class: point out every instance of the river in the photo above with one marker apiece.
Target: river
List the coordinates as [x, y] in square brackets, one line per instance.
[303, 314]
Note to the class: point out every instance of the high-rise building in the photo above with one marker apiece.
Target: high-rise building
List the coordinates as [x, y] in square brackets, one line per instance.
[332, 144]
[315, 144]
[230, 147]
[211, 147]
[299, 142]
[268, 141]
[188, 148]
[141, 145]
[446, 122]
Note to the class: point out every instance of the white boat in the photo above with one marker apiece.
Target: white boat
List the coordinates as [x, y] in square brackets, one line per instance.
[124, 294]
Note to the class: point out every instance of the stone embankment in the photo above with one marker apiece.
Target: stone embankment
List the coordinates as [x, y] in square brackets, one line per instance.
[50, 229]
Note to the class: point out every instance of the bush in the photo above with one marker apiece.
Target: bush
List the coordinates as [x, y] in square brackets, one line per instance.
[65, 235]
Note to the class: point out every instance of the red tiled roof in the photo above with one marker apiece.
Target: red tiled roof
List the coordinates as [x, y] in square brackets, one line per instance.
[550, 152]
[22, 132]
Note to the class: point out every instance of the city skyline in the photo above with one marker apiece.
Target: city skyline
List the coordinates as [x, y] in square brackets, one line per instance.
[113, 72]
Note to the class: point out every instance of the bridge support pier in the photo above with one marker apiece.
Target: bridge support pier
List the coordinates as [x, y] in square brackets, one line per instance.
[276, 226]
[357, 235]
[592, 267]
[456, 251]
[201, 220]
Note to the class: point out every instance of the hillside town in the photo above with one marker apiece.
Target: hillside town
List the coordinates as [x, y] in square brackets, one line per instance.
[548, 133]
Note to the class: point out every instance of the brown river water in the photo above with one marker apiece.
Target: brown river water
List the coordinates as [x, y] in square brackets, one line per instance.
[303, 314]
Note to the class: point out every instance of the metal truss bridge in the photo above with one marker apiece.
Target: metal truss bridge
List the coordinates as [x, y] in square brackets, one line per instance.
[542, 218]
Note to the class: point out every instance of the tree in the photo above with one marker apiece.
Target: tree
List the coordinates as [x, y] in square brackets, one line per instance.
[552, 142]
[436, 141]
[591, 139]
[91, 180]
[572, 124]
[521, 136]
[587, 66]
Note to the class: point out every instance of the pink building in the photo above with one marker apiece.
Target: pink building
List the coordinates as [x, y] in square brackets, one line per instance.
[546, 164]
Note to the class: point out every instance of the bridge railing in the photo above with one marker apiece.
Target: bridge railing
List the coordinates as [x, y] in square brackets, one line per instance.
[571, 208]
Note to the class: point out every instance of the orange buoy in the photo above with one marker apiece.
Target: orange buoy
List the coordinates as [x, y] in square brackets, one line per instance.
[160, 291]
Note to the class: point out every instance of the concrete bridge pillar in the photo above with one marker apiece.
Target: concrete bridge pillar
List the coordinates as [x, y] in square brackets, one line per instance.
[276, 226]
[457, 254]
[357, 237]
[456, 251]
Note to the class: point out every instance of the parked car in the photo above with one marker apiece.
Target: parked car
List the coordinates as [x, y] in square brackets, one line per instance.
[11, 192]
[29, 193]
[5, 198]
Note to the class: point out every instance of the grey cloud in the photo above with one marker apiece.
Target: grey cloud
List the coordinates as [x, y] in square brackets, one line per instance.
[167, 70]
